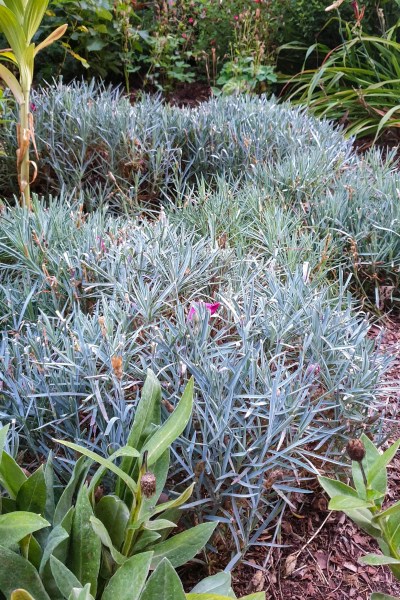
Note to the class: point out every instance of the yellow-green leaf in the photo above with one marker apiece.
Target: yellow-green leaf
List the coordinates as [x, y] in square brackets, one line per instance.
[53, 37]
[12, 83]
[33, 16]
[13, 31]
[21, 595]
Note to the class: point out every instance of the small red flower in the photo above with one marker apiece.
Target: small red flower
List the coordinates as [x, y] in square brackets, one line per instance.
[191, 20]
[236, 18]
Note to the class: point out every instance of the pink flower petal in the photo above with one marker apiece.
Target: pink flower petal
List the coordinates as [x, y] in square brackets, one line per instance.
[212, 307]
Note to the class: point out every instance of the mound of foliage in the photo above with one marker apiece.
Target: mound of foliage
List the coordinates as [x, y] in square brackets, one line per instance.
[219, 244]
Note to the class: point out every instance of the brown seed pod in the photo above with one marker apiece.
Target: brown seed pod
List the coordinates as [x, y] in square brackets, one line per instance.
[148, 484]
[356, 450]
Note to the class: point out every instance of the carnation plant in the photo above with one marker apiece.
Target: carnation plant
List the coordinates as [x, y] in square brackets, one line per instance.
[19, 22]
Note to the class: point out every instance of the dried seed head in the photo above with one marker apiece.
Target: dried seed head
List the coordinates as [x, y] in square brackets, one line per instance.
[148, 484]
[356, 450]
[116, 363]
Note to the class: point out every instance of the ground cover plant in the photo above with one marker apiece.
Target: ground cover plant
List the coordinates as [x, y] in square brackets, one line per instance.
[221, 243]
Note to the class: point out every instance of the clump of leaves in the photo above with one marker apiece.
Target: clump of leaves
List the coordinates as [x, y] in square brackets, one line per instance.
[19, 22]
[363, 502]
[358, 82]
[102, 545]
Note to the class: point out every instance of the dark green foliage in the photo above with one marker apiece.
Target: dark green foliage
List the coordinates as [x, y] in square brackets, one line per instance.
[358, 81]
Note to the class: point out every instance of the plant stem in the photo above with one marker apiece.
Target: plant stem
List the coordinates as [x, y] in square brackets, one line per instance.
[23, 157]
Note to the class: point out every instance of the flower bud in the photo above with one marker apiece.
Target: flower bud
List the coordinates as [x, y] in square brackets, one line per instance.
[148, 484]
[356, 450]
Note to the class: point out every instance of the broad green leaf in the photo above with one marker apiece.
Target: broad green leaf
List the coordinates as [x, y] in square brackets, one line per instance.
[102, 470]
[183, 546]
[49, 508]
[394, 509]
[17, 573]
[16, 525]
[164, 583]
[145, 539]
[11, 475]
[56, 537]
[348, 503]
[33, 16]
[57, 546]
[158, 524]
[371, 455]
[102, 461]
[176, 502]
[206, 596]
[64, 578]
[379, 596]
[21, 595]
[3, 430]
[216, 584]
[378, 559]
[65, 502]
[363, 518]
[114, 514]
[53, 37]
[172, 428]
[33, 550]
[101, 531]
[13, 31]
[336, 488]
[26, 67]
[211, 596]
[148, 411]
[128, 581]
[85, 545]
[32, 494]
[17, 7]
[173, 515]
[81, 593]
[374, 473]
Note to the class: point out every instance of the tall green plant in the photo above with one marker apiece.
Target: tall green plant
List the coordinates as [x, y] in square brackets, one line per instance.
[363, 502]
[357, 82]
[19, 22]
[88, 544]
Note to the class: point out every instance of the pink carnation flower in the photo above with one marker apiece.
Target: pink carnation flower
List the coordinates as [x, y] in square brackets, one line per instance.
[212, 307]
